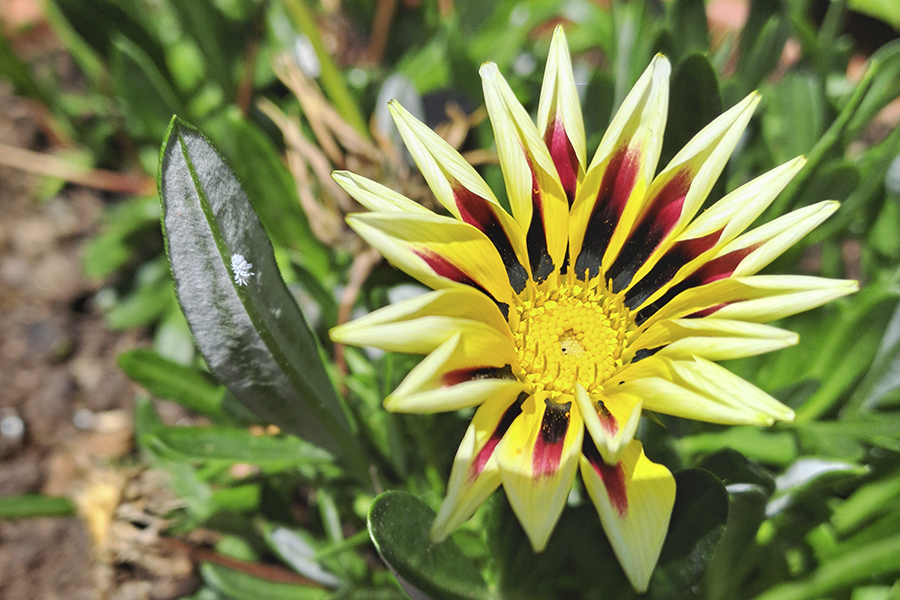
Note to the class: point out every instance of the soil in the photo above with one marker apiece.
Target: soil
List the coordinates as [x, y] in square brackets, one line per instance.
[66, 426]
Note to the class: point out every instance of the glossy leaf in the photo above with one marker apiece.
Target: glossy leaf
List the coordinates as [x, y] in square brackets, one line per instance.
[253, 336]
[400, 525]
[694, 101]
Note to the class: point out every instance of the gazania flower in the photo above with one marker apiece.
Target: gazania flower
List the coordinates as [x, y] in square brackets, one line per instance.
[601, 294]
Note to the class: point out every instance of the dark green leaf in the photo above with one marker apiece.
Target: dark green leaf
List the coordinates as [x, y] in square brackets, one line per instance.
[731, 467]
[241, 586]
[399, 524]
[167, 379]
[698, 520]
[689, 28]
[269, 186]
[253, 336]
[694, 101]
[34, 505]
[734, 557]
[885, 87]
[145, 97]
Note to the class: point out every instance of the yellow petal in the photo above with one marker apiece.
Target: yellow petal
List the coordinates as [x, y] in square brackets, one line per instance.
[620, 172]
[712, 339]
[464, 193]
[538, 458]
[375, 196]
[709, 233]
[559, 118]
[700, 390]
[611, 419]
[438, 251]
[421, 324]
[475, 474]
[677, 193]
[634, 500]
[535, 192]
[448, 379]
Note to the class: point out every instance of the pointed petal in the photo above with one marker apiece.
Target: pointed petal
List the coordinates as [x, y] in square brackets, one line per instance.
[438, 251]
[700, 390]
[709, 233]
[744, 255]
[559, 118]
[475, 474]
[634, 500]
[537, 459]
[375, 196]
[677, 193]
[535, 192]
[611, 419]
[772, 297]
[621, 170]
[448, 379]
[712, 339]
[463, 192]
[421, 324]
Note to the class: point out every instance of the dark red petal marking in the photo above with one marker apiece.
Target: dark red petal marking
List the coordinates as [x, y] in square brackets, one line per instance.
[613, 477]
[476, 211]
[676, 257]
[564, 157]
[503, 426]
[652, 229]
[536, 238]
[617, 185]
[606, 418]
[719, 268]
[471, 374]
[548, 447]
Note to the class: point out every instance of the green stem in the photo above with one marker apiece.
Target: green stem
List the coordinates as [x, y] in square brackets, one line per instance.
[331, 77]
[355, 540]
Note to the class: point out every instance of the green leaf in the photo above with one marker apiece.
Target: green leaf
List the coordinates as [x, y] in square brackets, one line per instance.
[254, 337]
[34, 505]
[865, 504]
[694, 101]
[689, 27]
[233, 445]
[116, 244]
[164, 378]
[880, 558]
[698, 520]
[885, 10]
[145, 97]
[399, 524]
[794, 117]
[241, 586]
[269, 186]
[737, 553]
[220, 39]
[769, 447]
[883, 378]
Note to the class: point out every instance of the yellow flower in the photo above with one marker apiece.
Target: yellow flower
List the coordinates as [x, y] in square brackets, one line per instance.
[602, 294]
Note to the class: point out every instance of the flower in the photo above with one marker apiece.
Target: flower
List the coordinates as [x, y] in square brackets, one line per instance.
[601, 295]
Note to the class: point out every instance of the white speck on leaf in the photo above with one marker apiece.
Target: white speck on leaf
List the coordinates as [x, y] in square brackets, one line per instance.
[241, 269]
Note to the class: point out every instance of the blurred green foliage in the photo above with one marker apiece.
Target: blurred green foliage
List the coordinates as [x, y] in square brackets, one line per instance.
[808, 509]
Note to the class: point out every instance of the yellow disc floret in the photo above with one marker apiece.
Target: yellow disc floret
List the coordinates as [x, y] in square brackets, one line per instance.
[568, 333]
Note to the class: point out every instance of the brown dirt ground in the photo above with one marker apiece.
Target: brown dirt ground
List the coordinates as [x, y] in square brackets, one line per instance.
[66, 409]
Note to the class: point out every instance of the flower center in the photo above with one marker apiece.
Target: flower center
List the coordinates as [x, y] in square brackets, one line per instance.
[572, 332]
